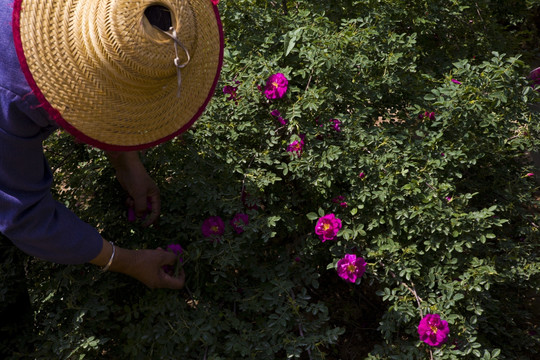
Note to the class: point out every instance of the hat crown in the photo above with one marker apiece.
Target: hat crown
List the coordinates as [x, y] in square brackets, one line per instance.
[120, 43]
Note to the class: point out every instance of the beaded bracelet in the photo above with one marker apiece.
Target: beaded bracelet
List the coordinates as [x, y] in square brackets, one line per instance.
[112, 257]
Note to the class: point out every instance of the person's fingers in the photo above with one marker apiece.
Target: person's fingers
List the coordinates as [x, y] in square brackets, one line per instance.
[140, 204]
[131, 214]
[173, 282]
[153, 208]
[155, 202]
[167, 258]
[168, 281]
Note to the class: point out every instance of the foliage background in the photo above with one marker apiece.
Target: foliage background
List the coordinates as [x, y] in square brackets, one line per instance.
[444, 216]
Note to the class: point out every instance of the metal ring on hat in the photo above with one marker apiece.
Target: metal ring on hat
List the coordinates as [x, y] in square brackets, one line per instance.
[172, 33]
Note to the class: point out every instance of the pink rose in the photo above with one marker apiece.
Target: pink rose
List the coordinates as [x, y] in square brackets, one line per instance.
[276, 86]
[351, 267]
[432, 330]
[327, 227]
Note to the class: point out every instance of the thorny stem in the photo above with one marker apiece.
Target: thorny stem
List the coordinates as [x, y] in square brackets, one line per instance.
[411, 290]
[300, 330]
[206, 352]
[418, 298]
[480, 15]
[248, 166]
[430, 186]
[302, 335]
[309, 80]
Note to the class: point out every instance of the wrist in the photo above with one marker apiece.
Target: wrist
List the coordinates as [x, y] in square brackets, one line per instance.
[121, 261]
[125, 261]
[111, 259]
[104, 255]
[123, 159]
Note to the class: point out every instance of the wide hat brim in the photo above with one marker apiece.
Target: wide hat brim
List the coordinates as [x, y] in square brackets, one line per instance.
[107, 76]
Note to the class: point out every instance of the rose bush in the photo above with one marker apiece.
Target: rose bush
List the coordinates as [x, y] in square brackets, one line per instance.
[422, 156]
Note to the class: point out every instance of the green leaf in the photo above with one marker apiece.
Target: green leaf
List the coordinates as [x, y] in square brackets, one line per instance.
[312, 216]
[290, 40]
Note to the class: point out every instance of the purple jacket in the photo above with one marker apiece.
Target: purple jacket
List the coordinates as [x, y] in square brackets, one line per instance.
[29, 216]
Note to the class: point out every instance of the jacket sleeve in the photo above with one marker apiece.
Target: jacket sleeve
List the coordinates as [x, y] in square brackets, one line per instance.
[29, 216]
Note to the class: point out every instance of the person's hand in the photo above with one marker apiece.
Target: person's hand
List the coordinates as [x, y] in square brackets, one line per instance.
[147, 266]
[143, 191]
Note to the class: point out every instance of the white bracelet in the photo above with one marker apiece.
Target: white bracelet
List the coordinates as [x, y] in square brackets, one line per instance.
[112, 257]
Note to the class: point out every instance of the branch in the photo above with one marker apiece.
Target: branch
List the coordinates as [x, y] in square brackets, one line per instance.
[411, 290]
[285, 9]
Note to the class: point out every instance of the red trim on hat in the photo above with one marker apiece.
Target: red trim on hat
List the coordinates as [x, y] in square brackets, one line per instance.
[57, 117]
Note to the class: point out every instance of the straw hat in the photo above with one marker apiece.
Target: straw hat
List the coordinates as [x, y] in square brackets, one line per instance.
[113, 73]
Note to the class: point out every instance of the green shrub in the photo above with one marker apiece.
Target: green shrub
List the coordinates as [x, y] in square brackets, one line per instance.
[440, 207]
